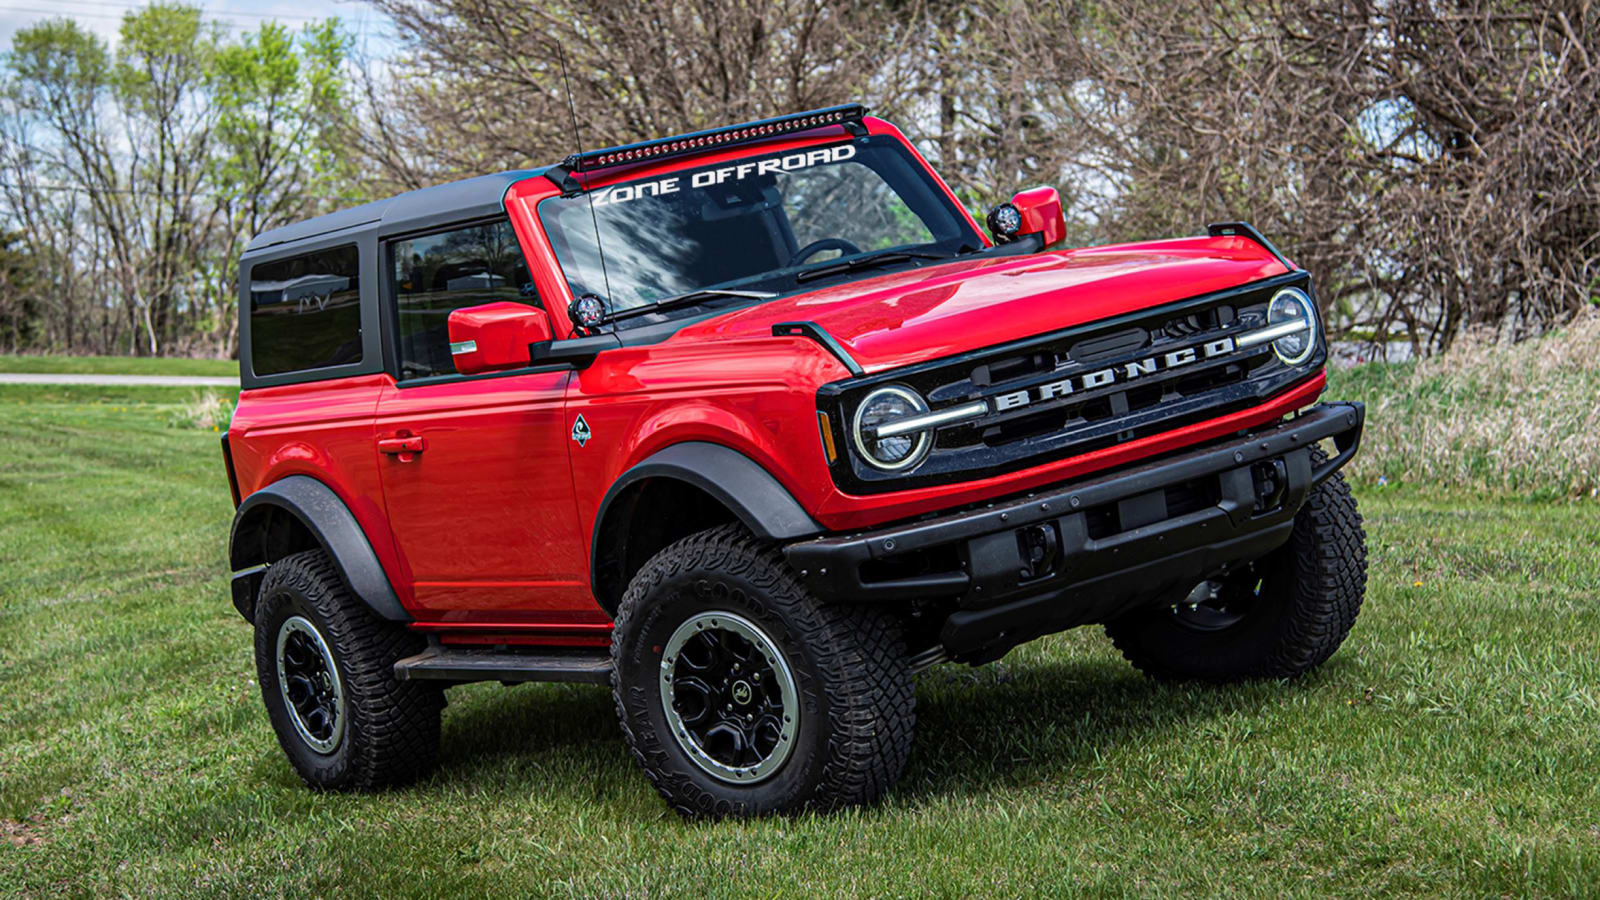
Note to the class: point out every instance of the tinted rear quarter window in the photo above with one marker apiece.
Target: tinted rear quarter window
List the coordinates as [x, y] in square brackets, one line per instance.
[305, 312]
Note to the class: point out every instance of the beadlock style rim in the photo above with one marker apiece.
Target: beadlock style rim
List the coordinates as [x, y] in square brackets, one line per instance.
[729, 697]
[309, 682]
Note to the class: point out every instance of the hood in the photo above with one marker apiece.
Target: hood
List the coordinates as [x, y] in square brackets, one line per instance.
[944, 309]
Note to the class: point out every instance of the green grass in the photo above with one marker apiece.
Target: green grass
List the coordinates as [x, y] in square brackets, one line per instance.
[118, 365]
[1449, 749]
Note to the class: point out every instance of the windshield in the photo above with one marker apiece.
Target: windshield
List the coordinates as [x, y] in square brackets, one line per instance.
[754, 224]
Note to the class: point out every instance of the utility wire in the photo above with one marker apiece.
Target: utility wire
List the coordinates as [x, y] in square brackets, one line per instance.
[135, 192]
[143, 6]
[220, 18]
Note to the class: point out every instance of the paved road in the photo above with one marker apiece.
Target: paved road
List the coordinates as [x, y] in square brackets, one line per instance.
[111, 380]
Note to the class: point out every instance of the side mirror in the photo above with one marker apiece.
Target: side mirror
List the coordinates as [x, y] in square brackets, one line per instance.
[495, 336]
[1036, 211]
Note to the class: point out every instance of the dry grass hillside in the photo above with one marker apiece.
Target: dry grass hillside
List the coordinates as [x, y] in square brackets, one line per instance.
[1521, 419]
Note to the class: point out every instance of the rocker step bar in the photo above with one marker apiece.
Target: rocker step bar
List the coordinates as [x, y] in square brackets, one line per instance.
[443, 664]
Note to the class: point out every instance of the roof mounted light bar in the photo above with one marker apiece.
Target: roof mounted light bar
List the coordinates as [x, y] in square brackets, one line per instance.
[848, 115]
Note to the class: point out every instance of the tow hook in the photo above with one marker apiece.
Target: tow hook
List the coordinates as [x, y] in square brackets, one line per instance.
[1040, 547]
[1271, 477]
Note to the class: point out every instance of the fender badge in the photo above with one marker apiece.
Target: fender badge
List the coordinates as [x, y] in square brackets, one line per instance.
[580, 431]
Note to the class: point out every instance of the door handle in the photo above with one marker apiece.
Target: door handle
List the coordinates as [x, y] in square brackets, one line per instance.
[405, 448]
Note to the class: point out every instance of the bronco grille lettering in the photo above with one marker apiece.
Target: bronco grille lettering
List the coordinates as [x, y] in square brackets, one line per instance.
[1127, 371]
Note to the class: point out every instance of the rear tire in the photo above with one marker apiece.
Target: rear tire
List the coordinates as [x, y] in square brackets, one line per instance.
[326, 667]
[1281, 618]
[775, 702]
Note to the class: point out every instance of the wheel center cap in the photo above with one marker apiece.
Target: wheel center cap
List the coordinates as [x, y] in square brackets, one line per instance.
[741, 692]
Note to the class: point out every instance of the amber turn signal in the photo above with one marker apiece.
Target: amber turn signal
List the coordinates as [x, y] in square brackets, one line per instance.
[826, 425]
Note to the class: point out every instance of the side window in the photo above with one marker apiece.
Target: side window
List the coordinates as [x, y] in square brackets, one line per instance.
[438, 273]
[305, 312]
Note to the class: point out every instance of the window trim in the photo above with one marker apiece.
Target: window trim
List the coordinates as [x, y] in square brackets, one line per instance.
[389, 302]
[371, 363]
[355, 250]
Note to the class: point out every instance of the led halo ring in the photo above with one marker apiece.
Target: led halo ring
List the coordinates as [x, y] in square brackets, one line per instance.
[924, 439]
[1309, 313]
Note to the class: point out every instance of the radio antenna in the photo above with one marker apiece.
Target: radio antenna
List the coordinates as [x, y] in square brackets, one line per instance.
[572, 106]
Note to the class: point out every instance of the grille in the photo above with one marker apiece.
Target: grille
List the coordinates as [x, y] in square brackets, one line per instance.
[1106, 414]
[1144, 396]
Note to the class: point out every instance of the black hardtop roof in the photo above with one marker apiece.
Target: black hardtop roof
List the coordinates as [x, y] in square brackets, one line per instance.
[454, 201]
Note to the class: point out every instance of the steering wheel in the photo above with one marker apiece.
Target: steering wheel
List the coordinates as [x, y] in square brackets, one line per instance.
[815, 247]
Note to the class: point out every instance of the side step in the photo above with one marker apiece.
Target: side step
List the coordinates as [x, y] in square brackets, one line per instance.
[445, 664]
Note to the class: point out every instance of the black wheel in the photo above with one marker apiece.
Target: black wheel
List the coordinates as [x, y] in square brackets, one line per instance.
[1281, 617]
[741, 694]
[326, 667]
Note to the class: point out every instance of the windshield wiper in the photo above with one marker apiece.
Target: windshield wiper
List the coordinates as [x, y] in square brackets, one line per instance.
[685, 299]
[883, 257]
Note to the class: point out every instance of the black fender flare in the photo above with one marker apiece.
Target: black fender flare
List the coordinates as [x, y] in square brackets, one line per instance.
[736, 481]
[333, 525]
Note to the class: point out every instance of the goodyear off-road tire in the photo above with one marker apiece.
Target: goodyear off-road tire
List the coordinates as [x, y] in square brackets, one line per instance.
[722, 599]
[385, 732]
[1298, 604]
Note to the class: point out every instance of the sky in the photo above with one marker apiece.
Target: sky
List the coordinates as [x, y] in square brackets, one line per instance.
[104, 16]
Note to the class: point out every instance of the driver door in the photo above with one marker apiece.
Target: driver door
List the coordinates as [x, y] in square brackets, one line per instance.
[475, 471]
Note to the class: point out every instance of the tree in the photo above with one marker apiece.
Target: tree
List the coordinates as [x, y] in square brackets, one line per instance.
[20, 279]
[284, 122]
[483, 85]
[1436, 167]
[58, 78]
[139, 174]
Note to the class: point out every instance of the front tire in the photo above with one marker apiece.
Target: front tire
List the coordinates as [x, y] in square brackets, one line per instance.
[740, 694]
[325, 663]
[1280, 618]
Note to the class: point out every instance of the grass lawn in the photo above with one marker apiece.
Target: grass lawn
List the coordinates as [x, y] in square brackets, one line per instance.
[117, 365]
[1450, 748]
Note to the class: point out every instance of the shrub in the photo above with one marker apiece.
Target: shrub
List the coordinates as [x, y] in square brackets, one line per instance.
[209, 411]
[1521, 419]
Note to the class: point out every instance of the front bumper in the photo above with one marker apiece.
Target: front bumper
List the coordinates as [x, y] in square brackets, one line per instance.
[1094, 549]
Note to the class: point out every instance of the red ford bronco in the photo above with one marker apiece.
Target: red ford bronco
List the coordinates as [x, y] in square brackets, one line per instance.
[752, 424]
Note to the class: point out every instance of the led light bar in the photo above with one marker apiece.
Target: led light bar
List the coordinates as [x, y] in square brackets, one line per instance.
[932, 420]
[848, 115]
[1272, 333]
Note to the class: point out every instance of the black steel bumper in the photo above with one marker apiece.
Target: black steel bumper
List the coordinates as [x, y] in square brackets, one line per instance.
[1093, 549]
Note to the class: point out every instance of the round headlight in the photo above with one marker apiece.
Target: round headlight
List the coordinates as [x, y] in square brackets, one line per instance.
[1288, 306]
[882, 407]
